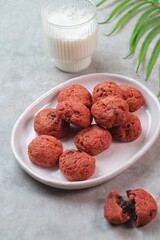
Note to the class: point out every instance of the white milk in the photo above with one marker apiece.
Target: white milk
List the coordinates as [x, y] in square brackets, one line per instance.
[71, 38]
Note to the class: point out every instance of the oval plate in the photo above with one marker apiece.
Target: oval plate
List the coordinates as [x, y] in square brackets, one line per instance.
[109, 163]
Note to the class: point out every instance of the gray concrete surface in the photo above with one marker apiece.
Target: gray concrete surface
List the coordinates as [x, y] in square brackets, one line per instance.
[29, 209]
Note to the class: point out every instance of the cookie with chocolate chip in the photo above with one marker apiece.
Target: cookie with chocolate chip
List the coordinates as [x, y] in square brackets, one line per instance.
[133, 97]
[129, 128]
[48, 122]
[93, 139]
[45, 150]
[75, 113]
[108, 112]
[76, 165]
[106, 89]
[75, 92]
[140, 207]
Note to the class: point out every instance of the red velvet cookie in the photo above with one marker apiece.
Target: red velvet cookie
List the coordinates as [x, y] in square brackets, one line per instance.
[48, 122]
[76, 165]
[140, 206]
[105, 89]
[77, 93]
[144, 205]
[129, 129]
[115, 210]
[133, 97]
[109, 111]
[45, 150]
[93, 139]
[75, 113]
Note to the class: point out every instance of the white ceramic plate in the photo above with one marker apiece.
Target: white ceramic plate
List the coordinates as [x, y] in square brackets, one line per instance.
[109, 163]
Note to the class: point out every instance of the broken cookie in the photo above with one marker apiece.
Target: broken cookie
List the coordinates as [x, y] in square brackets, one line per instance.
[140, 206]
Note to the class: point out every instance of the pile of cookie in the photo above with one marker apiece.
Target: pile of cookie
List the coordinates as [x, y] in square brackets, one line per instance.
[110, 106]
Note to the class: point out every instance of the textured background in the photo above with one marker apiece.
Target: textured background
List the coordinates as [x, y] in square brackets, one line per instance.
[29, 209]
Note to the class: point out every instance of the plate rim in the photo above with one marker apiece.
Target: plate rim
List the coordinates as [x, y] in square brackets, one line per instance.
[93, 181]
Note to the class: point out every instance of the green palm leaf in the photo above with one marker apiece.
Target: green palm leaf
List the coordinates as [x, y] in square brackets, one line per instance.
[100, 3]
[137, 27]
[142, 29]
[126, 16]
[117, 10]
[145, 45]
[149, 20]
[153, 59]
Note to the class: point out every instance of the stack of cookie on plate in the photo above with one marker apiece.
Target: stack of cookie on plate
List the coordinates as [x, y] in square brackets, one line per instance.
[99, 117]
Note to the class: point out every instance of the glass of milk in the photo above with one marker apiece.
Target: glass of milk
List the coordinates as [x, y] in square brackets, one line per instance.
[70, 33]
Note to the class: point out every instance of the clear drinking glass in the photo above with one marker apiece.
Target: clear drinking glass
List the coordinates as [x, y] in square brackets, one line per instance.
[70, 33]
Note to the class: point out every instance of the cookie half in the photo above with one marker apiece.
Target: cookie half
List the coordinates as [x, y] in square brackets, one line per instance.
[115, 210]
[145, 207]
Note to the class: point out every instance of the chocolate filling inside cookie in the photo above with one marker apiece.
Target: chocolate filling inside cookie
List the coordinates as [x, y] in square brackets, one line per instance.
[127, 206]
